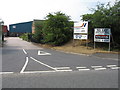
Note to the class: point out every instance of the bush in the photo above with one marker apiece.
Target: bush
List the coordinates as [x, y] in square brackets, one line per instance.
[25, 36]
[57, 29]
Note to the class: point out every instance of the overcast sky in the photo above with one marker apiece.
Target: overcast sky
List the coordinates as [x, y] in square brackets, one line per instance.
[16, 11]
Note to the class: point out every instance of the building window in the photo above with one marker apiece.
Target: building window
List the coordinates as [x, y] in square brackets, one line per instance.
[14, 26]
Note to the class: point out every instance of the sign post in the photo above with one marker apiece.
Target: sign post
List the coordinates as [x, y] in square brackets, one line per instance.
[102, 35]
[80, 31]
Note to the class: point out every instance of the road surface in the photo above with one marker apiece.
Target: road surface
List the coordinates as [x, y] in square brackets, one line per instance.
[25, 65]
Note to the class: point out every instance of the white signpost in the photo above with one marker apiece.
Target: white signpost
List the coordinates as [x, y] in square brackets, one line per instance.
[80, 31]
[102, 35]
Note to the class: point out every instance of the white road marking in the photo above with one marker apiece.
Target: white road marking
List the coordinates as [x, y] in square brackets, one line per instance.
[42, 63]
[115, 67]
[62, 67]
[111, 65]
[83, 69]
[63, 70]
[28, 72]
[43, 53]
[100, 68]
[38, 71]
[6, 73]
[24, 51]
[80, 67]
[24, 65]
[96, 66]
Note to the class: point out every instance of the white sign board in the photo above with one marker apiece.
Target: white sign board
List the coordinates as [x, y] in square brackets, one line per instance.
[102, 34]
[80, 36]
[81, 27]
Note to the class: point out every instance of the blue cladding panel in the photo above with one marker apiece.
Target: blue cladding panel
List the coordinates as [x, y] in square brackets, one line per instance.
[25, 27]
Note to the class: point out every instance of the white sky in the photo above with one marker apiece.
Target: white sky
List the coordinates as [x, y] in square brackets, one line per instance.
[16, 11]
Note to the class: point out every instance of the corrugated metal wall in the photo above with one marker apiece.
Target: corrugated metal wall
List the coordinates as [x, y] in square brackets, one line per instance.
[25, 27]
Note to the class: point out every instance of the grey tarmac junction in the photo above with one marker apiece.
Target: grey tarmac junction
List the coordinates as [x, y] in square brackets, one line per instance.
[25, 65]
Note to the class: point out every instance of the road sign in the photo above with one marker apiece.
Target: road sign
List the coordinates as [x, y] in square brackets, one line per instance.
[102, 34]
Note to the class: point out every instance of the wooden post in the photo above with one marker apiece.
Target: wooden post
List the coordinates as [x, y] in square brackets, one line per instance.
[109, 47]
[94, 45]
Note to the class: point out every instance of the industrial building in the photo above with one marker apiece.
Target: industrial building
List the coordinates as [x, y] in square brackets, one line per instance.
[24, 27]
[20, 28]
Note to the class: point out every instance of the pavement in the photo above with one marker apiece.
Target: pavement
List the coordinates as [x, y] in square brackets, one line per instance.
[25, 65]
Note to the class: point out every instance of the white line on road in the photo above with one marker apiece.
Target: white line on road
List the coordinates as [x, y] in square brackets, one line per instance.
[100, 68]
[115, 67]
[43, 53]
[63, 70]
[62, 67]
[38, 71]
[28, 72]
[24, 51]
[83, 69]
[6, 73]
[24, 65]
[111, 65]
[42, 63]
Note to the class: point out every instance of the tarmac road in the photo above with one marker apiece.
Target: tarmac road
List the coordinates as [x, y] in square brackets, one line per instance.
[25, 65]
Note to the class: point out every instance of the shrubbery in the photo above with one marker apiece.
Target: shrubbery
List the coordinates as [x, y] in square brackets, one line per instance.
[57, 29]
[105, 16]
[26, 37]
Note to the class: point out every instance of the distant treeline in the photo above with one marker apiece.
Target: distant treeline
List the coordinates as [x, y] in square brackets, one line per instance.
[105, 16]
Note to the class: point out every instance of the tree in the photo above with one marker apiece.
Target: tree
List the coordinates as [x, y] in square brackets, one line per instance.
[105, 16]
[57, 29]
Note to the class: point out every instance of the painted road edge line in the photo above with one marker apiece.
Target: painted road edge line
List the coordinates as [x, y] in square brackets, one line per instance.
[42, 63]
[6, 72]
[24, 51]
[24, 65]
[37, 72]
